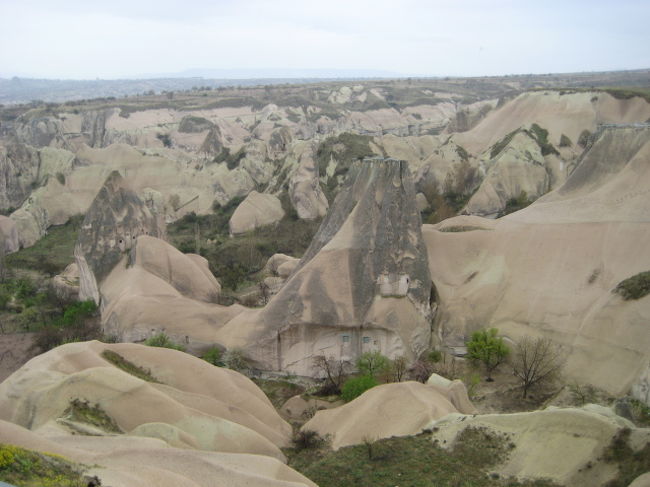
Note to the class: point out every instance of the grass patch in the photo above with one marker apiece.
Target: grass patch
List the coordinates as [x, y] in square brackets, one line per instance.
[52, 253]
[460, 228]
[161, 340]
[635, 287]
[496, 149]
[26, 468]
[631, 464]
[410, 461]
[81, 411]
[516, 204]
[541, 137]
[129, 367]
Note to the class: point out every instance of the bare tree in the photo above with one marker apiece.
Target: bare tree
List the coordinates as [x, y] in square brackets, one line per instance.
[334, 371]
[536, 361]
[399, 366]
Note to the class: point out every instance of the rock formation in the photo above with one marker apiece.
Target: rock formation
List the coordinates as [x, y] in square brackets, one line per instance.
[399, 409]
[305, 192]
[8, 235]
[179, 420]
[112, 224]
[362, 284]
[565, 446]
[551, 268]
[257, 210]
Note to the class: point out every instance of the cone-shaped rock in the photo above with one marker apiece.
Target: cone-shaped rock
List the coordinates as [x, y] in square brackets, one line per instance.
[113, 222]
[362, 285]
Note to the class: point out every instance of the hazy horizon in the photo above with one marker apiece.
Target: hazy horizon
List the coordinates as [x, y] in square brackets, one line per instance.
[137, 39]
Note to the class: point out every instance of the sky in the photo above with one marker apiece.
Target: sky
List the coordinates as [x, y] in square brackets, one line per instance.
[109, 39]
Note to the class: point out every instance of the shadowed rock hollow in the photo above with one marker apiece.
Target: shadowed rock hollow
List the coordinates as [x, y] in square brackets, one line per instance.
[362, 285]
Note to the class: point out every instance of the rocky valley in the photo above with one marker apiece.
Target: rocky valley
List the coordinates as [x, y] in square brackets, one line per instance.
[336, 283]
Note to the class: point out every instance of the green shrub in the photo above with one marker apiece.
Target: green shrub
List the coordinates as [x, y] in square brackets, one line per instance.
[163, 341]
[634, 287]
[489, 349]
[307, 439]
[541, 136]
[373, 363]
[584, 138]
[236, 360]
[129, 367]
[213, 356]
[353, 388]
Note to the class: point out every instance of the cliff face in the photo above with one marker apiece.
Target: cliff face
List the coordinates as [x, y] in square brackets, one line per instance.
[551, 269]
[112, 224]
[362, 285]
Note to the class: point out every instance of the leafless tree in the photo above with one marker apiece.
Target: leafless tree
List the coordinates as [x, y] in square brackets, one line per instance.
[334, 372]
[536, 361]
[399, 367]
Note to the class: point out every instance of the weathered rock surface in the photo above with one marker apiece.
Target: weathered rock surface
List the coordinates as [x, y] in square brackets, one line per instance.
[555, 444]
[305, 192]
[173, 432]
[8, 235]
[66, 284]
[361, 285]
[114, 221]
[551, 268]
[399, 409]
[257, 210]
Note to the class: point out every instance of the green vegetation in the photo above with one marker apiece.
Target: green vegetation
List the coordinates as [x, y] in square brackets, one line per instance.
[25, 468]
[163, 341]
[462, 153]
[516, 204]
[487, 348]
[640, 413]
[236, 260]
[344, 148]
[81, 411]
[631, 463]
[52, 253]
[165, 139]
[460, 228]
[373, 363]
[501, 144]
[194, 124]
[414, 461]
[129, 367]
[213, 356]
[356, 386]
[232, 160]
[541, 137]
[635, 287]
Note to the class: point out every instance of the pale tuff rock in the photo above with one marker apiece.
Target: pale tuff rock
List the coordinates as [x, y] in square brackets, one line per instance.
[276, 260]
[555, 444]
[111, 226]
[18, 171]
[305, 192]
[362, 285]
[66, 284]
[549, 269]
[421, 202]
[519, 167]
[199, 425]
[255, 211]
[398, 409]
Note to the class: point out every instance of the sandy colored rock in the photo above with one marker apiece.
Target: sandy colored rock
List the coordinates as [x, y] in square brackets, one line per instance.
[255, 211]
[641, 481]
[285, 270]
[275, 261]
[66, 284]
[298, 408]
[554, 443]
[399, 409]
[549, 270]
[110, 228]
[131, 461]
[305, 192]
[362, 284]
[196, 404]
[189, 274]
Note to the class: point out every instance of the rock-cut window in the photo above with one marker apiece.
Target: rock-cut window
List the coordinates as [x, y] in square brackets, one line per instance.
[345, 338]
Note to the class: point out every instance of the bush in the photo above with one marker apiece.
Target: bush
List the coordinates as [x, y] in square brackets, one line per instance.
[373, 363]
[163, 341]
[236, 360]
[486, 347]
[634, 287]
[353, 388]
[213, 356]
[565, 141]
[307, 439]
[584, 138]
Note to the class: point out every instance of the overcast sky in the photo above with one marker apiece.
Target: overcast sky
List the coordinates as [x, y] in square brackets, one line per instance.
[86, 39]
